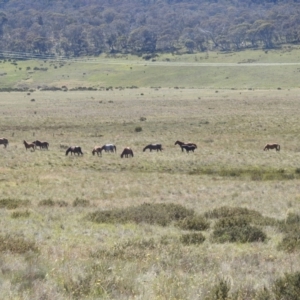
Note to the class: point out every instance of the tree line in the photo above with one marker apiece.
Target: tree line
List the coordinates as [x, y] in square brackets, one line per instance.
[76, 28]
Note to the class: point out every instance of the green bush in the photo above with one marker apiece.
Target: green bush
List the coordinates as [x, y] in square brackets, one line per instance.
[193, 223]
[138, 129]
[81, 202]
[288, 287]
[236, 230]
[150, 213]
[20, 214]
[16, 245]
[13, 203]
[192, 238]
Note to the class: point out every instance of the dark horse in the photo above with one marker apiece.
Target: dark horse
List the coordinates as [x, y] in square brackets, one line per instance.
[272, 146]
[109, 148]
[42, 145]
[127, 152]
[28, 146]
[188, 144]
[4, 141]
[98, 150]
[75, 150]
[153, 147]
[188, 148]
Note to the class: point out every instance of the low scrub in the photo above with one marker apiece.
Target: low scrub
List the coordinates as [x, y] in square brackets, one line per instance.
[192, 238]
[251, 216]
[287, 287]
[236, 230]
[193, 223]
[81, 202]
[160, 214]
[13, 203]
[16, 244]
[20, 214]
[291, 228]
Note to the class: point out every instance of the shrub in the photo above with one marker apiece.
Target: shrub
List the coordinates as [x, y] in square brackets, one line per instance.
[81, 202]
[288, 287]
[20, 214]
[138, 129]
[236, 230]
[13, 203]
[48, 202]
[193, 223]
[16, 244]
[220, 291]
[151, 213]
[192, 238]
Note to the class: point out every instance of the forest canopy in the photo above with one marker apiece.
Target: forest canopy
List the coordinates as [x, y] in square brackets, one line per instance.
[74, 28]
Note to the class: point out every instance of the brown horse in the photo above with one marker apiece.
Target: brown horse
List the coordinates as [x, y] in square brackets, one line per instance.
[188, 144]
[28, 146]
[42, 145]
[75, 150]
[127, 152]
[98, 150]
[272, 146]
[4, 141]
[153, 147]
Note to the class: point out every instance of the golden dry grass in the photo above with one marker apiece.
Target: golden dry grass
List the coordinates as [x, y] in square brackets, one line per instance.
[230, 128]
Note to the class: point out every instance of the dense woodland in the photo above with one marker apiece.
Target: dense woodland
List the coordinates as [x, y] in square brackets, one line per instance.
[91, 27]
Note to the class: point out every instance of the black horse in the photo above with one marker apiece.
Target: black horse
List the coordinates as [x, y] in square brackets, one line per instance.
[188, 148]
[75, 150]
[153, 147]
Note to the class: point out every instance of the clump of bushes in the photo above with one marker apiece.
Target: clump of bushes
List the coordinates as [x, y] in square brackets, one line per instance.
[47, 202]
[287, 287]
[150, 213]
[193, 223]
[138, 129]
[20, 214]
[81, 202]
[16, 244]
[13, 203]
[192, 238]
[235, 230]
[291, 227]
[250, 215]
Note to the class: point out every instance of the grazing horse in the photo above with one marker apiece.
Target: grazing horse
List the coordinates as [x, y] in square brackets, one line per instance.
[188, 148]
[127, 152]
[28, 146]
[182, 143]
[98, 150]
[272, 146]
[42, 145]
[153, 147]
[74, 150]
[4, 141]
[109, 148]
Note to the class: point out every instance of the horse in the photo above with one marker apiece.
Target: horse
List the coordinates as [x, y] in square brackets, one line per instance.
[4, 142]
[127, 152]
[153, 147]
[98, 150]
[28, 146]
[272, 146]
[109, 148]
[42, 145]
[182, 143]
[188, 148]
[75, 149]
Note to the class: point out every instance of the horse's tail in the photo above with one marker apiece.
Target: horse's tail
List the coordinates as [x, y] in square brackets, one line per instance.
[122, 154]
[131, 153]
[93, 151]
[115, 148]
[278, 147]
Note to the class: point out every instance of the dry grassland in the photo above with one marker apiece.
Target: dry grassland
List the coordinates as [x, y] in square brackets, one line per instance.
[229, 168]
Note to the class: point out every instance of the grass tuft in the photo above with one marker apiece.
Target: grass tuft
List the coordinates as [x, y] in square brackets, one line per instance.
[192, 238]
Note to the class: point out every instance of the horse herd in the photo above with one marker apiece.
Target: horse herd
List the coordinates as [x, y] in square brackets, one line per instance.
[127, 152]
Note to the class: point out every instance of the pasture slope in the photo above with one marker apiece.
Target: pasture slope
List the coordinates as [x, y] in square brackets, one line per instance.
[151, 226]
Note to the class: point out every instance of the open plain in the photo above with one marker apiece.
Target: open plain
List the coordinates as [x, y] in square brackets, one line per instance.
[47, 198]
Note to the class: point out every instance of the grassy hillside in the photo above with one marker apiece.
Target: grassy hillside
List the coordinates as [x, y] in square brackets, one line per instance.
[238, 70]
